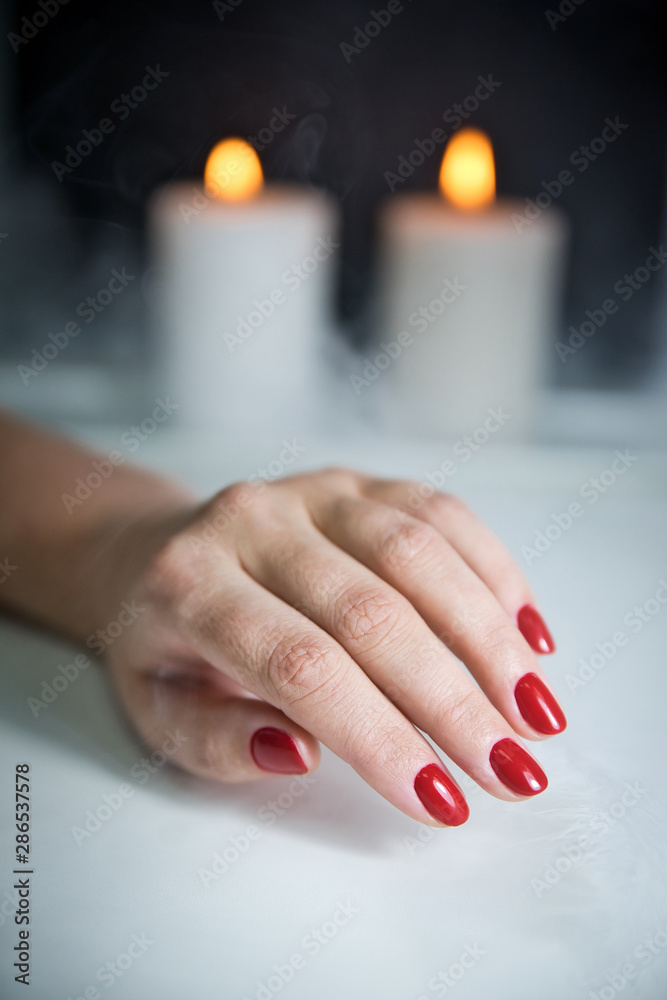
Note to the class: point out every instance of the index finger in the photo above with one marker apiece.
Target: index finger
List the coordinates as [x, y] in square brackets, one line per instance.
[280, 655]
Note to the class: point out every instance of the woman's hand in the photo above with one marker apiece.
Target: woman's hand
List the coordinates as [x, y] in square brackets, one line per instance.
[324, 608]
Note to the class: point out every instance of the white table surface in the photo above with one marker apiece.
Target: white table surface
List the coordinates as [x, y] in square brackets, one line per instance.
[413, 907]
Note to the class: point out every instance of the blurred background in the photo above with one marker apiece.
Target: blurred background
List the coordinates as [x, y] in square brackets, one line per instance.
[77, 228]
[226, 66]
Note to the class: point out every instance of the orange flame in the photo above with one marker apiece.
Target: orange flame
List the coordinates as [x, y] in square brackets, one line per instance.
[233, 171]
[468, 174]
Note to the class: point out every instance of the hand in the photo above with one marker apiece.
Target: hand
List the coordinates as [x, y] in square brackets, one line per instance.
[323, 608]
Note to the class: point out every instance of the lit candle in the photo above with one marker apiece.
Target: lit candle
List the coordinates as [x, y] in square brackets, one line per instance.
[470, 300]
[245, 281]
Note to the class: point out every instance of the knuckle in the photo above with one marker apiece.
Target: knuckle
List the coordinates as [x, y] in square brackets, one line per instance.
[242, 503]
[381, 745]
[232, 499]
[447, 504]
[341, 479]
[407, 542]
[298, 669]
[365, 617]
[496, 639]
[466, 710]
[172, 573]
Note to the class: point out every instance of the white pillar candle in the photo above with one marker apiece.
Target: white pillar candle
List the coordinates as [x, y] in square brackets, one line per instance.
[244, 294]
[470, 301]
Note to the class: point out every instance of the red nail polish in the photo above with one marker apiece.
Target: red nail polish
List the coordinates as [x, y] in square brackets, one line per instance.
[517, 769]
[441, 798]
[532, 628]
[274, 750]
[538, 706]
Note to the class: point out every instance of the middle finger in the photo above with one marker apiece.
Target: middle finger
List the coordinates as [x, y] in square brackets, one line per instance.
[384, 634]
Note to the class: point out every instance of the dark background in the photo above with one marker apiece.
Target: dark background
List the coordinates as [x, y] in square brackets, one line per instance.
[353, 121]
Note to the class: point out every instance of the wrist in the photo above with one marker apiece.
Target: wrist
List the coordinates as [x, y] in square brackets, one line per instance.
[116, 549]
[74, 557]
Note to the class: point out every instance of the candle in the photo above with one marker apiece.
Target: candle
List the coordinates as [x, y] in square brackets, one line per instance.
[467, 299]
[245, 281]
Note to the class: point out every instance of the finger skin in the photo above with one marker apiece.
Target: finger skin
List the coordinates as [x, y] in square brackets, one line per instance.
[475, 542]
[279, 655]
[386, 637]
[207, 732]
[276, 647]
[483, 551]
[414, 558]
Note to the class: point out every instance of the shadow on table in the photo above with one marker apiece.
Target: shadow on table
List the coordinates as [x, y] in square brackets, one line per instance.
[82, 717]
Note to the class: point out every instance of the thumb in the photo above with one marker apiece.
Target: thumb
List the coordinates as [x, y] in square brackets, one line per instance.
[216, 735]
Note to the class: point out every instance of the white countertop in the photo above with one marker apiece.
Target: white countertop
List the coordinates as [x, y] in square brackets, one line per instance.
[537, 901]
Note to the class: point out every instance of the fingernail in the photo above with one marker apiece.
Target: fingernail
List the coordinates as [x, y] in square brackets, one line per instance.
[538, 706]
[533, 629]
[274, 750]
[440, 797]
[517, 769]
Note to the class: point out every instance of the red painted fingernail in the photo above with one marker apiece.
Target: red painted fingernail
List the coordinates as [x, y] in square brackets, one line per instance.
[441, 798]
[533, 629]
[538, 706]
[274, 750]
[517, 769]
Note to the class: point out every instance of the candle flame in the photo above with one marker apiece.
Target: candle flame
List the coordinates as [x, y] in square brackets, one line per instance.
[233, 171]
[468, 174]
